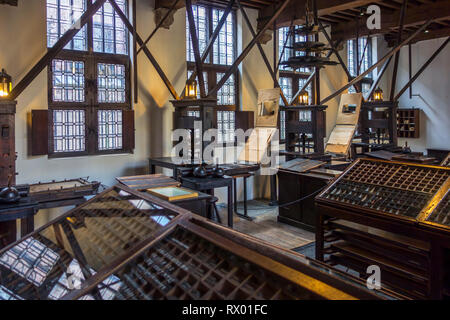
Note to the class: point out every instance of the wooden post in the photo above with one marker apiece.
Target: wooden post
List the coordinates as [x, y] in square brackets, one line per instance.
[194, 38]
[425, 65]
[397, 55]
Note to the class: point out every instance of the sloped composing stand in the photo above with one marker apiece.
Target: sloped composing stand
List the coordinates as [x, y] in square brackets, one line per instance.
[346, 122]
[266, 126]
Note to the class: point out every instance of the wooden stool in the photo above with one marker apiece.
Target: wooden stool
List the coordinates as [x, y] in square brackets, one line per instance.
[213, 208]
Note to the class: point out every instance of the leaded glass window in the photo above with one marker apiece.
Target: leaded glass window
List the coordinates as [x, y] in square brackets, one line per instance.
[110, 129]
[69, 131]
[200, 18]
[88, 91]
[225, 126]
[110, 34]
[224, 44]
[68, 81]
[360, 61]
[111, 83]
[284, 37]
[61, 16]
[226, 94]
[286, 87]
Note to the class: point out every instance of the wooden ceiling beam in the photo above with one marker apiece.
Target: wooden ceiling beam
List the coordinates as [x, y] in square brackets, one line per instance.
[432, 34]
[415, 16]
[10, 2]
[296, 10]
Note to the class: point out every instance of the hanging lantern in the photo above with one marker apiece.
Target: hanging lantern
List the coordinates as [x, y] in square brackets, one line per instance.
[191, 89]
[303, 98]
[5, 84]
[378, 95]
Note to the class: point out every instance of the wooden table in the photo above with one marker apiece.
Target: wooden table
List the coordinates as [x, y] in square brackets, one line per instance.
[200, 205]
[208, 185]
[24, 211]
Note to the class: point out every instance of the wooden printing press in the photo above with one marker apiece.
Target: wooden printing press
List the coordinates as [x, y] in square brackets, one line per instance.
[39, 196]
[141, 247]
[394, 215]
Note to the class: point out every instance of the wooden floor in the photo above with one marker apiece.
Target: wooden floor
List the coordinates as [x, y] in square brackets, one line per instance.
[266, 227]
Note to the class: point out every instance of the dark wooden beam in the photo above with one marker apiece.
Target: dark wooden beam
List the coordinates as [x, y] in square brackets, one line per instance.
[397, 55]
[135, 65]
[147, 52]
[431, 34]
[417, 16]
[53, 51]
[10, 2]
[382, 60]
[296, 10]
[377, 80]
[195, 46]
[247, 49]
[336, 53]
[263, 54]
[212, 39]
[424, 66]
[174, 5]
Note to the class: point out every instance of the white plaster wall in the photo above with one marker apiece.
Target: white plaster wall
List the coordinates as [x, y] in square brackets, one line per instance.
[430, 93]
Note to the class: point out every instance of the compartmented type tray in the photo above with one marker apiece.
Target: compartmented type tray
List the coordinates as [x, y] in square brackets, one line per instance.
[387, 187]
[391, 214]
[140, 247]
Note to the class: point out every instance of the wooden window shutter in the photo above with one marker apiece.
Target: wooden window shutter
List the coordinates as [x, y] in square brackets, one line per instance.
[39, 132]
[128, 130]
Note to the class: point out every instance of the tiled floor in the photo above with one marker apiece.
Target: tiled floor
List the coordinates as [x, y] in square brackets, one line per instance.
[266, 227]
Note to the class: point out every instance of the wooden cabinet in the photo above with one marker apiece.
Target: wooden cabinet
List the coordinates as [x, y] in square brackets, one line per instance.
[394, 215]
[408, 123]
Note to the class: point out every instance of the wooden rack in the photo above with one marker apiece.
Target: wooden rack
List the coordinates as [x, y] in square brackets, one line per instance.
[408, 123]
[394, 215]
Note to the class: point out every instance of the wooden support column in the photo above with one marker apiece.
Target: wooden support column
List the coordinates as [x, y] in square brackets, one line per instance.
[263, 54]
[317, 69]
[195, 46]
[135, 68]
[147, 52]
[53, 51]
[382, 60]
[397, 55]
[245, 52]
[418, 73]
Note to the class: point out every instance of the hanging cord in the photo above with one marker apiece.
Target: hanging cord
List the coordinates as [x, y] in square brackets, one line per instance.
[301, 199]
[287, 204]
